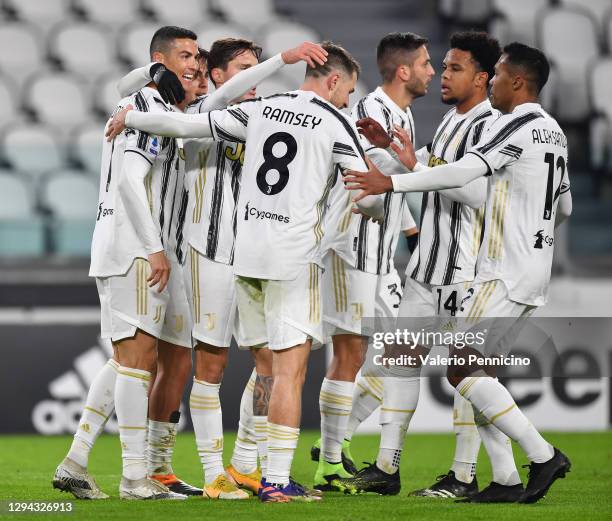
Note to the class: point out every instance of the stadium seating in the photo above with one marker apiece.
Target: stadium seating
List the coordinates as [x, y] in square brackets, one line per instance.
[105, 94]
[274, 85]
[111, 12]
[257, 12]
[57, 99]
[8, 107]
[208, 33]
[601, 123]
[608, 32]
[598, 9]
[133, 42]
[82, 48]
[568, 37]
[44, 14]
[515, 20]
[282, 36]
[19, 65]
[21, 230]
[186, 13]
[72, 199]
[465, 12]
[32, 149]
[87, 142]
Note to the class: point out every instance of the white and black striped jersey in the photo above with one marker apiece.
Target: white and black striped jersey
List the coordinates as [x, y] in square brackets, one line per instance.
[450, 232]
[116, 240]
[297, 145]
[526, 153]
[214, 169]
[371, 246]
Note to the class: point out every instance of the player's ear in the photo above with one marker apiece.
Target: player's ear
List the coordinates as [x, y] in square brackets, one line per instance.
[158, 57]
[215, 75]
[332, 81]
[517, 82]
[481, 80]
[403, 73]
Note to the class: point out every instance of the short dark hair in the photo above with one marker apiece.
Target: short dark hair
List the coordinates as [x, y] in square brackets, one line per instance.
[164, 36]
[485, 50]
[532, 61]
[337, 58]
[394, 50]
[225, 50]
[203, 55]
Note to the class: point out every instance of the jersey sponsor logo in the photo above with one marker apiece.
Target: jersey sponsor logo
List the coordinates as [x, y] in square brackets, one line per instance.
[298, 119]
[103, 212]
[263, 214]
[542, 239]
[235, 154]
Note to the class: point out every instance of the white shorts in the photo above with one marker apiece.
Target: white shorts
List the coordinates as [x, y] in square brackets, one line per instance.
[212, 299]
[488, 311]
[281, 313]
[348, 296]
[427, 307]
[388, 295]
[128, 303]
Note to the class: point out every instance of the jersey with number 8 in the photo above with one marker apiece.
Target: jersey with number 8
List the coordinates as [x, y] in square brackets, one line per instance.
[297, 145]
[526, 152]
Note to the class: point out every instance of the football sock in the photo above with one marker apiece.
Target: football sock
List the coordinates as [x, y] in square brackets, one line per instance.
[244, 457]
[99, 405]
[335, 400]
[495, 402]
[467, 440]
[499, 450]
[261, 435]
[160, 446]
[208, 427]
[367, 395]
[282, 442]
[131, 406]
[400, 398]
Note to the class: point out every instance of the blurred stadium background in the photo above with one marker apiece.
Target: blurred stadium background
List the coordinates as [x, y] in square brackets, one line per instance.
[59, 64]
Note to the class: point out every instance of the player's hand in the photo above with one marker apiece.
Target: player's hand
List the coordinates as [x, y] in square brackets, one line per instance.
[367, 217]
[372, 182]
[374, 132]
[117, 124]
[312, 53]
[405, 153]
[160, 270]
[168, 84]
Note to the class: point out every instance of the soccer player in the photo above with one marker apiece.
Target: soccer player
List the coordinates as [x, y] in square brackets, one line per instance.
[298, 144]
[524, 156]
[361, 255]
[451, 226]
[133, 253]
[214, 172]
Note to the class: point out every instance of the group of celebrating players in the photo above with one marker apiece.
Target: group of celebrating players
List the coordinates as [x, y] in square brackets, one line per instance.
[275, 221]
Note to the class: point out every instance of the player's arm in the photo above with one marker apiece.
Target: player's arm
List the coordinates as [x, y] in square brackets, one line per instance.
[409, 227]
[453, 175]
[564, 206]
[168, 84]
[133, 193]
[311, 53]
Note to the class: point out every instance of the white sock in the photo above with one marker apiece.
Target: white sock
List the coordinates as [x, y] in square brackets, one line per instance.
[495, 402]
[99, 406]
[400, 399]
[160, 447]
[499, 449]
[367, 396]
[261, 434]
[131, 406]
[208, 427]
[244, 457]
[335, 401]
[467, 440]
[282, 442]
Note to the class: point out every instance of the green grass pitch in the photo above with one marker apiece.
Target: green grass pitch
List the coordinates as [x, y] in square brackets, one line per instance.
[28, 463]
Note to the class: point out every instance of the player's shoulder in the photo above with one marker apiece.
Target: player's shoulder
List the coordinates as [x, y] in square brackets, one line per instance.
[195, 107]
[148, 100]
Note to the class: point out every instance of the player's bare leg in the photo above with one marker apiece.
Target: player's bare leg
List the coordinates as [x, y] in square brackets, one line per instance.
[138, 358]
[173, 371]
[72, 474]
[335, 403]
[205, 406]
[252, 435]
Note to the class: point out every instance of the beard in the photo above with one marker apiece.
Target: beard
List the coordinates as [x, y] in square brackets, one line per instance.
[449, 101]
